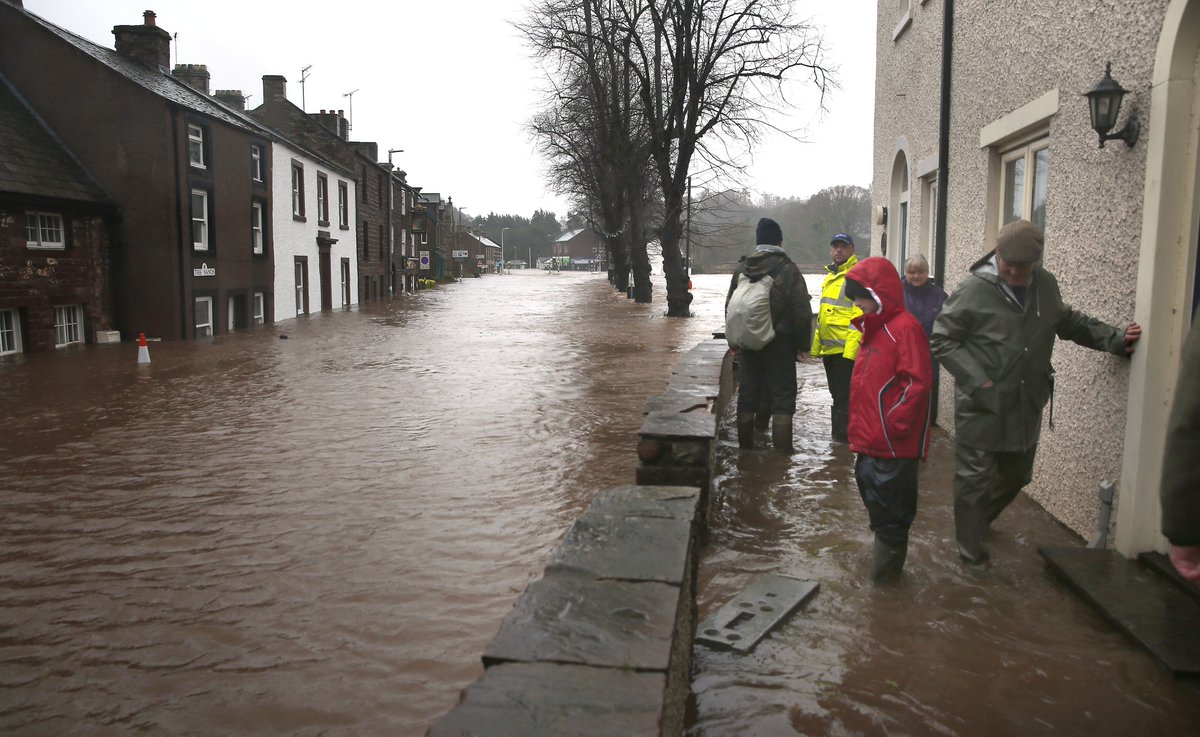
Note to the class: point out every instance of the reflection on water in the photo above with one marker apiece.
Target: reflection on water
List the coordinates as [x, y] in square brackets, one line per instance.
[317, 535]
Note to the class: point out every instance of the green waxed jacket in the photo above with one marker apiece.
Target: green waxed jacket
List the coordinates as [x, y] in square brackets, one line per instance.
[984, 333]
[1181, 477]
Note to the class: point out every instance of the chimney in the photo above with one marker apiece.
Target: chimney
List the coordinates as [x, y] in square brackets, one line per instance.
[274, 88]
[146, 44]
[193, 75]
[232, 98]
[333, 122]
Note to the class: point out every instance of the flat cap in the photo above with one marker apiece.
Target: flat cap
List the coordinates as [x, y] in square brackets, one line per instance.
[1020, 242]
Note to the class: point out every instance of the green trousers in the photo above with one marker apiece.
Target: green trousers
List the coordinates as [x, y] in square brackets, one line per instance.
[985, 482]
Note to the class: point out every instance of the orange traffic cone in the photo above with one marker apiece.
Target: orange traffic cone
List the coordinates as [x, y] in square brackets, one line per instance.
[143, 349]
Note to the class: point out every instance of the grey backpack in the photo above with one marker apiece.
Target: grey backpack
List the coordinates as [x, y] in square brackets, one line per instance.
[748, 314]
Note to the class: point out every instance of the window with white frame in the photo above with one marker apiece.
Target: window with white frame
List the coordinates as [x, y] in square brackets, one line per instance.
[343, 205]
[10, 332]
[424, 237]
[66, 325]
[898, 210]
[297, 190]
[345, 281]
[230, 313]
[204, 316]
[322, 199]
[929, 209]
[256, 167]
[200, 220]
[196, 146]
[256, 228]
[260, 308]
[1024, 175]
[45, 230]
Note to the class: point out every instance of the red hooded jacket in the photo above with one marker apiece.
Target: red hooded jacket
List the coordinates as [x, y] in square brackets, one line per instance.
[889, 390]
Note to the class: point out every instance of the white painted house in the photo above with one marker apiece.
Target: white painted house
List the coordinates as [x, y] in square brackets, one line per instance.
[316, 267]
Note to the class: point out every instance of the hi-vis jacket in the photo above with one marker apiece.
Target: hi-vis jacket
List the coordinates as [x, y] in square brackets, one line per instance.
[835, 335]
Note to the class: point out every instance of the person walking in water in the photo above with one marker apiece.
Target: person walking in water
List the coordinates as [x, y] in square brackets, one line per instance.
[835, 341]
[995, 335]
[889, 409]
[767, 375]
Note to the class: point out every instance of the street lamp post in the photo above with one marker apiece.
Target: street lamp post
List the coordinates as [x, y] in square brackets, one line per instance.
[502, 252]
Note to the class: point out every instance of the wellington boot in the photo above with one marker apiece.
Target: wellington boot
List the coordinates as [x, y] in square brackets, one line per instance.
[762, 419]
[888, 561]
[745, 429]
[781, 432]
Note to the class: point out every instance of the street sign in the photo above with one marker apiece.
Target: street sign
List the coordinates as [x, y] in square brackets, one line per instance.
[424, 259]
[460, 253]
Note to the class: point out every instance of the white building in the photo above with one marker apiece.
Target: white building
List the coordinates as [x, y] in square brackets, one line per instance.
[316, 266]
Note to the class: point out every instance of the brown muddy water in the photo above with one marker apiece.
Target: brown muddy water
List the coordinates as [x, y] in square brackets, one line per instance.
[320, 535]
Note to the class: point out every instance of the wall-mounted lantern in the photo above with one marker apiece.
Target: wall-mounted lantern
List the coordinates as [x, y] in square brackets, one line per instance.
[1104, 101]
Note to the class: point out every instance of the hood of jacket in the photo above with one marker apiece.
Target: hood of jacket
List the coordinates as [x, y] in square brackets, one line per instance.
[764, 260]
[879, 276]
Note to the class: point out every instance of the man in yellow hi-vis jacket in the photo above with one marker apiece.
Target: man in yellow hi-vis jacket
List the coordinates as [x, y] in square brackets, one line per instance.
[835, 340]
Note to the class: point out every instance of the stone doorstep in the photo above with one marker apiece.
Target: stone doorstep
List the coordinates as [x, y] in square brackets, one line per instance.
[548, 700]
[1146, 606]
[571, 617]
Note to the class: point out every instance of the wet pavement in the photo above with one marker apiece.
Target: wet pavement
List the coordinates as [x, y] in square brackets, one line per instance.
[320, 536]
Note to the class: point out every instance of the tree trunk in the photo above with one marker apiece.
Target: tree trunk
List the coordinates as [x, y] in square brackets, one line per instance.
[679, 297]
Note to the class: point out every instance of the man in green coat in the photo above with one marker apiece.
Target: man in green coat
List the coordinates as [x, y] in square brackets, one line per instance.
[995, 335]
[1181, 472]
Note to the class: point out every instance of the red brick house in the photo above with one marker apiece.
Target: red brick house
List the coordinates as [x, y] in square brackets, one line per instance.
[55, 220]
[185, 171]
[579, 249]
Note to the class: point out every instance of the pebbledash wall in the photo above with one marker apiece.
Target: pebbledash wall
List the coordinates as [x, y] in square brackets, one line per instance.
[296, 236]
[1120, 222]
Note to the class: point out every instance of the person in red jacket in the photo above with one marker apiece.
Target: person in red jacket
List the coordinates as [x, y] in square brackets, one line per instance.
[889, 409]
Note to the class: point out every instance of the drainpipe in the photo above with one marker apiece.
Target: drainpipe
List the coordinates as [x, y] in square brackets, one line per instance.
[939, 250]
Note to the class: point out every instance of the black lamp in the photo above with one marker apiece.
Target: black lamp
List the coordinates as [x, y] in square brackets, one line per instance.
[1104, 101]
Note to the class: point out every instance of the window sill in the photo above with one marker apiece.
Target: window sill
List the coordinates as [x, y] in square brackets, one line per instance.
[323, 223]
[194, 165]
[43, 247]
[199, 249]
[343, 227]
[299, 218]
[902, 26]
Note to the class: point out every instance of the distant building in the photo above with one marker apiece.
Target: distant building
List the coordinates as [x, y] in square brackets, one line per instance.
[579, 250]
[55, 224]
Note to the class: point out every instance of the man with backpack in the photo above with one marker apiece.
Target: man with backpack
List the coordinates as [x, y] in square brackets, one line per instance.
[768, 323]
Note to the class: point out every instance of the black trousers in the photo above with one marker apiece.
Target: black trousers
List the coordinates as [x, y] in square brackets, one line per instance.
[888, 487]
[837, 374]
[767, 378]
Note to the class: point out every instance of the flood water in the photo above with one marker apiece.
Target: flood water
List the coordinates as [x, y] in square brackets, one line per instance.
[319, 535]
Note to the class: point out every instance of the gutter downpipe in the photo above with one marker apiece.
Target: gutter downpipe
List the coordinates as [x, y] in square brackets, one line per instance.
[939, 250]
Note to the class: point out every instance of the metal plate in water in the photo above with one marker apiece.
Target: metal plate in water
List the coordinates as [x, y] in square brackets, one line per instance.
[749, 616]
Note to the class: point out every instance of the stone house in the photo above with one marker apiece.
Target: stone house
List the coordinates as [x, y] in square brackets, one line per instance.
[1014, 139]
[582, 246]
[175, 161]
[55, 225]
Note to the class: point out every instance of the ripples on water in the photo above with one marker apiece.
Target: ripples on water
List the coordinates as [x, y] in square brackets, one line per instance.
[316, 535]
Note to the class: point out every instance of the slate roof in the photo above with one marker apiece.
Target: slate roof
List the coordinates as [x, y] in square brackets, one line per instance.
[33, 161]
[156, 81]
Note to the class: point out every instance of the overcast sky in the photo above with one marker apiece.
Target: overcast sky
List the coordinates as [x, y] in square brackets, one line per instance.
[451, 83]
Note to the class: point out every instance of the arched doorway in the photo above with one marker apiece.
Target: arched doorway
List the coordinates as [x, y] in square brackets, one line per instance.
[1167, 271]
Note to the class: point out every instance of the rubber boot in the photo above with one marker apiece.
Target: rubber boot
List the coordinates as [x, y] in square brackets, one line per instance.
[745, 429]
[840, 419]
[781, 432]
[888, 560]
[762, 419]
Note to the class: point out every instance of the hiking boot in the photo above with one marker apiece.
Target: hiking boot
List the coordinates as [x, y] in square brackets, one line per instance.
[745, 429]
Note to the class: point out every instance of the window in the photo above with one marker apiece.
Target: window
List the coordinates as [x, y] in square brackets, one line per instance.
[301, 283]
[930, 210]
[196, 146]
[424, 237]
[10, 332]
[45, 230]
[257, 243]
[322, 199]
[199, 220]
[260, 308]
[1024, 174]
[898, 209]
[204, 317]
[345, 282]
[297, 191]
[343, 205]
[66, 325]
[256, 167]
[366, 241]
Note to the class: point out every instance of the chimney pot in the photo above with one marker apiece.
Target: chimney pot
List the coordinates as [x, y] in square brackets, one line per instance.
[148, 18]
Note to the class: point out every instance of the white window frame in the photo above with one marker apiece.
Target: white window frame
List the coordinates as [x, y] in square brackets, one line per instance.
[229, 312]
[424, 237]
[1027, 151]
[200, 244]
[40, 229]
[343, 204]
[260, 308]
[10, 332]
[929, 207]
[67, 325]
[297, 190]
[256, 168]
[301, 269]
[196, 146]
[257, 218]
[322, 198]
[345, 270]
[203, 329]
